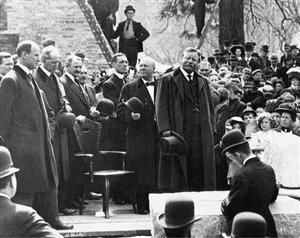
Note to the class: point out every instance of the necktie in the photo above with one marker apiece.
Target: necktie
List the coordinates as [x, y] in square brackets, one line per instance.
[190, 78]
[127, 25]
[150, 83]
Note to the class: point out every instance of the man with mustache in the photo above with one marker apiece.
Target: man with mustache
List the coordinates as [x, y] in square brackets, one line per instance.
[184, 105]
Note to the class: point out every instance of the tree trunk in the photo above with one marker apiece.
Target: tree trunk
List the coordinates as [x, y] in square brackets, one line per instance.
[231, 17]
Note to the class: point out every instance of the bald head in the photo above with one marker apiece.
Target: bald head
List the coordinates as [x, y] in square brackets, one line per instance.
[147, 68]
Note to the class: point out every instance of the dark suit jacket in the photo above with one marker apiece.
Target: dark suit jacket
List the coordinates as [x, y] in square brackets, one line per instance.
[114, 129]
[169, 111]
[253, 188]
[77, 100]
[57, 99]
[24, 125]
[140, 34]
[21, 221]
[142, 135]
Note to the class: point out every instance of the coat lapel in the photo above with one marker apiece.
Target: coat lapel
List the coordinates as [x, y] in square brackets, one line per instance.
[178, 78]
[143, 91]
[77, 91]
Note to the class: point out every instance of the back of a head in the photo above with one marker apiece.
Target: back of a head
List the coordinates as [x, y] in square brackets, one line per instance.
[248, 224]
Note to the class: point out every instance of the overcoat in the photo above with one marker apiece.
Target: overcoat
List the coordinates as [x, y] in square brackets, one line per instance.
[24, 125]
[170, 116]
[142, 134]
[56, 97]
[21, 221]
[253, 188]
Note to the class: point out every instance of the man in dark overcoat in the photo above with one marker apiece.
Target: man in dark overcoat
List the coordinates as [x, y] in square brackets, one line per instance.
[184, 105]
[142, 133]
[56, 96]
[25, 128]
[253, 186]
[132, 34]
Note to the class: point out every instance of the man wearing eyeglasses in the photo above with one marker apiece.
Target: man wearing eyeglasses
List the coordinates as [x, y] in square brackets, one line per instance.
[253, 186]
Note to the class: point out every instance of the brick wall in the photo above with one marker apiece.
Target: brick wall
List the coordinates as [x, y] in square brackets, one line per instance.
[61, 20]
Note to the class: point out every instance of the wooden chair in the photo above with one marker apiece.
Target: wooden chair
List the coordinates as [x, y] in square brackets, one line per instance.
[88, 135]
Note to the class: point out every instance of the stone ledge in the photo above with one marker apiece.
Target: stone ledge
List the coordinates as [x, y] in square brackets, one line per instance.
[286, 212]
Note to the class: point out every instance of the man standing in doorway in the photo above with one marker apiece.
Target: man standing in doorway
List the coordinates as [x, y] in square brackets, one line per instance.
[132, 34]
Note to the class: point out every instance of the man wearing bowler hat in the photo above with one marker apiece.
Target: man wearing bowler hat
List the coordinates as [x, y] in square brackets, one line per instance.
[131, 36]
[17, 220]
[253, 186]
[184, 105]
[136, 109]
[178, 217]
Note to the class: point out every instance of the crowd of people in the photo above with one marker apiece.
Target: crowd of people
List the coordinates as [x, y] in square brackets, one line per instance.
[170, 124]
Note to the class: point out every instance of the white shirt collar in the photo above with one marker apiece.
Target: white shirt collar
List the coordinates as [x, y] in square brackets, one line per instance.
[186, 74]
[147, 81]
[4, 195]
[120, 76]
[24, 68]
[45, 71]
[248, 158]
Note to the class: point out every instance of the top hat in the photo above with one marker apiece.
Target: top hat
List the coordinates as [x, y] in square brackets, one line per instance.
[248, 109]
[173, 144]
[179, 212]
[65, 119]
[134, 104]
[129, 8]
[6, 164]
[265, 48]
[232, 139]
[248, 224]
[106, 107]
[235, 47]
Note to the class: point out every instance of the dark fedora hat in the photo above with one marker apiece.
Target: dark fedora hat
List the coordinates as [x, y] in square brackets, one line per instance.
[179, 212]
[287, 107]
[232, 139]
[129, 8]
[6, 164]
[248, 224]
[135, 105]
[248, 109]
[249, 46]
[106, 107]
[65, 120]
[174, 144]
[265, 48]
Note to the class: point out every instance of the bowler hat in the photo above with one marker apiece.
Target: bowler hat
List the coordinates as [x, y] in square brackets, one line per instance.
[274, 57]
[106, 107]
[217, 52]
[65, 120]
[6, 164]
[129, 8]
[293, 47]
[173, 144]
[248, 109]
[179, 212]
[232, 139]
[248, 47]
[248, 224]
[81, 53]
[134, 104]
